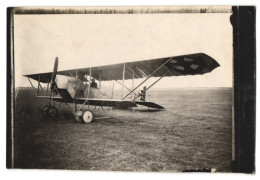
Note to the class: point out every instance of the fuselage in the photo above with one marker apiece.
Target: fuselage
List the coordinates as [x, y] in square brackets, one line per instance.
[76, 87]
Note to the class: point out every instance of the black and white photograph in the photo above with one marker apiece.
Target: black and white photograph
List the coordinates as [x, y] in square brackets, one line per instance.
[139, 89]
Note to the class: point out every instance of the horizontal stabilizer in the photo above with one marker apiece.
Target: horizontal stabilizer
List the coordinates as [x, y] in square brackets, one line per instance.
[149, 104]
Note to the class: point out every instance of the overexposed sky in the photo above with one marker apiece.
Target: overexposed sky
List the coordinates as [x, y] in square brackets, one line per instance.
[98, 39]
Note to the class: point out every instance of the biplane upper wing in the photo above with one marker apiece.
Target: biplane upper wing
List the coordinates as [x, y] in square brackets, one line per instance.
[191, 64]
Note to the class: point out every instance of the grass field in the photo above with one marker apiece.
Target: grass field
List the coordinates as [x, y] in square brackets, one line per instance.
[194, 132]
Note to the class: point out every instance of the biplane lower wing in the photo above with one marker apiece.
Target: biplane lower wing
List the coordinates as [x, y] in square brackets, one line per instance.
[107, 102]
[95, 102]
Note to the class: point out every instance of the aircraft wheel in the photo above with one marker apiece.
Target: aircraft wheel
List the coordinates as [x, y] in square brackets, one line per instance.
[52, 111]
[87, 116]
[45, 111]
[78, 116]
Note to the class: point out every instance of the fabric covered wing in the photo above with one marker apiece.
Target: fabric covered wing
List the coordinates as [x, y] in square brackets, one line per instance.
[96, 102]
[107, 102]
[191, 64]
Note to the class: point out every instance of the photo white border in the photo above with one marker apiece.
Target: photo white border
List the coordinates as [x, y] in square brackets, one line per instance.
[69, 174]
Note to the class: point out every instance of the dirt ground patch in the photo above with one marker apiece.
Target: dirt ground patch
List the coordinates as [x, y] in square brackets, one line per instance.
[194, 132]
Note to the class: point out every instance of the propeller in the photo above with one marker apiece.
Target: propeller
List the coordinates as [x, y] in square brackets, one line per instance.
[54, 73]
[53, 77]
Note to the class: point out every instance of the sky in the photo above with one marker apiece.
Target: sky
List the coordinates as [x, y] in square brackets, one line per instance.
[89, 40]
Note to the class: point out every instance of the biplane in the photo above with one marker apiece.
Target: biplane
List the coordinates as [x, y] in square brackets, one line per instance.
[78, 86]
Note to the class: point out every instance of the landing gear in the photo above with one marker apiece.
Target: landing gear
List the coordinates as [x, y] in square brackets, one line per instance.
[52, 111]
[78, 116]
[45, 110]
[87, 116]
[49, 111]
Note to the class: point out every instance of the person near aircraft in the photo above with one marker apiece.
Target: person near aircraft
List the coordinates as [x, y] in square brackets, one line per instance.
[93, 84]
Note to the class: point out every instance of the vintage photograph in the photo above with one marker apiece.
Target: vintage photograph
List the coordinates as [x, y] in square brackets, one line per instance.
[123, 88]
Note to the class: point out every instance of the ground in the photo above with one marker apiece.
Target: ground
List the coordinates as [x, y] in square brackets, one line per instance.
[194, 132]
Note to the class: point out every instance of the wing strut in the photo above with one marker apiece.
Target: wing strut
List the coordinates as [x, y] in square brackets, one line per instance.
[89, 82]
[47, 88]
[32, 86]
[147, 78]
[99, 86]
[123, 81]
[133, 82]
[112, 94]
[125, 86]
[164, 74]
